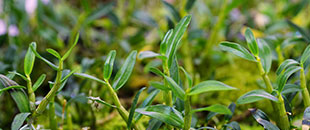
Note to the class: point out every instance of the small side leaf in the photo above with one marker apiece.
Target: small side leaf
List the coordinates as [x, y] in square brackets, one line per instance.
[176, 89]
[133, 108]
[285, 64]
[218, 108]
[82, 75]
[237, 50]
[39, 82]
[32, 46]
[251, 40]
[164, 42]
[254, 96]
[124, 73]
[209, 85]
[188, 77]
[163, 113]
[157, 71]
[148, 54]
[18, 121]
[282, 78]
[108, 65]
[66, 55]
[29, 60]
[159, 85]
[265, 54]
[54, 53]
[305, 55]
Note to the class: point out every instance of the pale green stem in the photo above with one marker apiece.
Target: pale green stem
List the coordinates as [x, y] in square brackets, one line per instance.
[121, 110]
[42, 106]
[52, 116]
[32, 97]
[303, 86]
[167, 95]
[282, 118]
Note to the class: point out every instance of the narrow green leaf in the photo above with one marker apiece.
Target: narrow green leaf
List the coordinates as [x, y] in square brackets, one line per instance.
[188, 77]
[286, 64]
[305, 55]
[291, 88]
[157, 71]
[164, 42]
[237, 50]
[65, 77]
[209, 85]
[265, 54]
[174, 40]
[53, 52]
[189, 5]
[133, 108]
[19, 120]
[249, 36]
[254, 96]
[176, 15]
[124, 73]
[262, 119]
[108, 65]
[303, 32]
[146, 102]
[42, 58]
[97, 99]
[176, 89]
[18, 95]
[154, 124]
[282, 78]
[29, 59]
[159, 85]
[163, 113]
[39, 82]
[218, 108]
[11, 87]
[148, 54]
[66, 55]
[18, 74]
[82, 75]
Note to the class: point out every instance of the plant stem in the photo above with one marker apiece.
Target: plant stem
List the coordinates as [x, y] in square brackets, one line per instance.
[121, 110]
[167, 95]
[51, 93]
[32, 97]
[282, 119]
[52, 116]
[303, 86]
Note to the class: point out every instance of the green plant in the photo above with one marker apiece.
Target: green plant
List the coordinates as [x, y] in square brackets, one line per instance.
[29, 101]
[173, 87]
[261, 54]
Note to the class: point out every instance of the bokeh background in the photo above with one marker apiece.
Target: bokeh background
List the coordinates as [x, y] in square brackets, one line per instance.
[126, 25]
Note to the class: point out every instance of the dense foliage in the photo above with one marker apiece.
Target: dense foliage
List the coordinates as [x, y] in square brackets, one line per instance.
[162, 64]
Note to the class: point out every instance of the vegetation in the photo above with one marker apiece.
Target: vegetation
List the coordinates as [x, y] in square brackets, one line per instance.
[179, 72]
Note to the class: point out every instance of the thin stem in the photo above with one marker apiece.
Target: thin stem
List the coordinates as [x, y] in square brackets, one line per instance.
[282, 119]
[51, 93]
[303, 86]
[167, 95]
[32, 97]
[52, 116]
[121, 110]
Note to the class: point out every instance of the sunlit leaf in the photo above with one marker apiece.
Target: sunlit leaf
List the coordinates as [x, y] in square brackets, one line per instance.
[39, 82]
[251, 40]
[124, 73]
[108, 65]
[54, 53]
[176, 89]
[282, 78]
[237, 50]
[254, 96]
[209, 85]
[29, 59]
[286, 64]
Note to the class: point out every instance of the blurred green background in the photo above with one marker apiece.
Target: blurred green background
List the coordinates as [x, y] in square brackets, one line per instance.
[126, 25]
